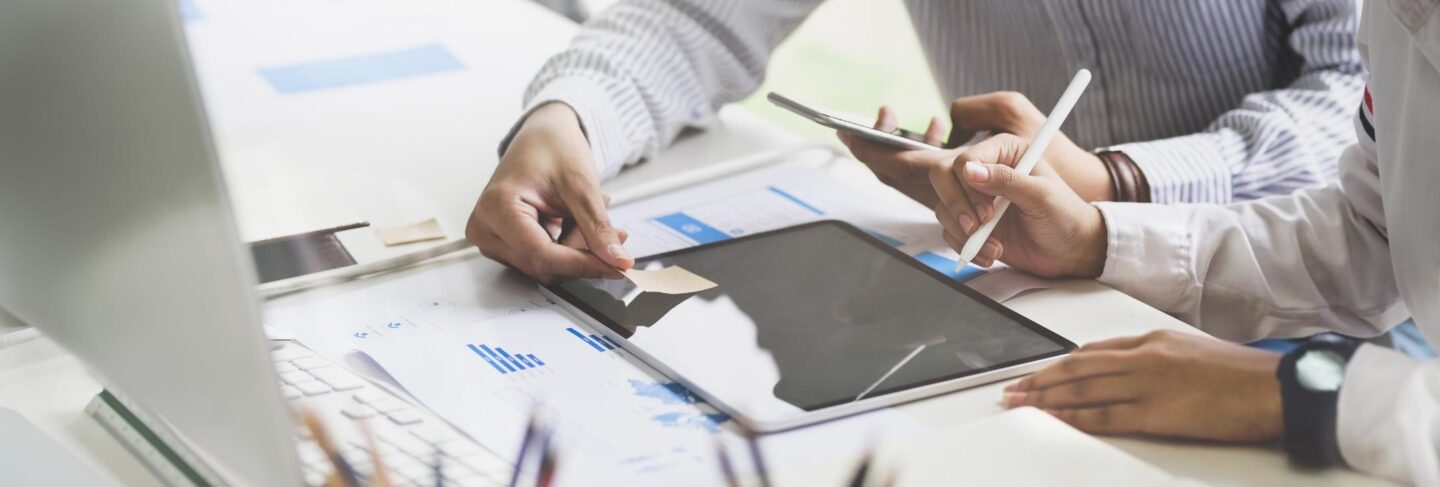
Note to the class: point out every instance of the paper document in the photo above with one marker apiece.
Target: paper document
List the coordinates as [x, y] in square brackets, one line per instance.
[670, 280]
[414, 232]
[1019, 447]
[616, 421]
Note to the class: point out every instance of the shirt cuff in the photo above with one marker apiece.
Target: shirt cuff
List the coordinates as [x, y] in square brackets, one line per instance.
[1375, 418]
[1147, 252]
[1185, 169]
[599, 119]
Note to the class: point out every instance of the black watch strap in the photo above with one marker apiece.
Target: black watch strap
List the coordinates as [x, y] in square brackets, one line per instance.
[1311, 416]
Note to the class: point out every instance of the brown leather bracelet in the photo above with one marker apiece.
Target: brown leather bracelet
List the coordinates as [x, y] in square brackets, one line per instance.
[1126, 178]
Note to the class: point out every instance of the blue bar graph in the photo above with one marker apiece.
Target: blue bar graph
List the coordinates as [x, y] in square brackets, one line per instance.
[692, 228]
[798, 201]
[505, 362]
[512, 360]
[609, 343]
[602, 341]
[371, 68]
[492, 363]
[585, 339]
[497, 358]
[947, 266]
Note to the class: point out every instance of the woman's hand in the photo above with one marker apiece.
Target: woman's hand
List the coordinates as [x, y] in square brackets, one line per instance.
[1161, 384]
[1049, 230]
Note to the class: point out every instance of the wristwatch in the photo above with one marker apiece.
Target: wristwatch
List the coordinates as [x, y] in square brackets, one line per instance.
[1310, 379]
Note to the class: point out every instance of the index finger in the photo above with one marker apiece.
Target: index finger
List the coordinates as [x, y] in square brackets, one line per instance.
[1075, 367]
[530, 248]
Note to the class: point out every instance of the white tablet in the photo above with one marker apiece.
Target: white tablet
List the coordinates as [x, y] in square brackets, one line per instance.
[811, 323]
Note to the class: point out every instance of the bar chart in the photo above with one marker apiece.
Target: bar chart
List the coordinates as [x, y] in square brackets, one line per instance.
[599, 343]
[505, 362]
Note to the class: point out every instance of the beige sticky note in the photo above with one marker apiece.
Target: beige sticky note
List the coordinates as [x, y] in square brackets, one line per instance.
[670, 280]
[414, 232]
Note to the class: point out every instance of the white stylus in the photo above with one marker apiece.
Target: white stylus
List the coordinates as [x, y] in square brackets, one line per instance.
[1027, 162]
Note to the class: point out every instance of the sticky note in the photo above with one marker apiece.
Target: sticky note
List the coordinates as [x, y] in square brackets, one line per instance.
[385, 66]
[414, 232]
[670, 280]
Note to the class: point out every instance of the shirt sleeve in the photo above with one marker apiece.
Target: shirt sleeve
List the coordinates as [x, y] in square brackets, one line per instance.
[1276, 141]
[1389, 416]
[645, 69]
[1286, 266]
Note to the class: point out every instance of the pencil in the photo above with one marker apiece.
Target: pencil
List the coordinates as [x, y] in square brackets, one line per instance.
[1027, 162]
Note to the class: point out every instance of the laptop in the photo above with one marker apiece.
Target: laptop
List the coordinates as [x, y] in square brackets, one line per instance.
[117, 241]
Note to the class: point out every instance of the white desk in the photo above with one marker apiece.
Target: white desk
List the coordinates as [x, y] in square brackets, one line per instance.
[424, 148]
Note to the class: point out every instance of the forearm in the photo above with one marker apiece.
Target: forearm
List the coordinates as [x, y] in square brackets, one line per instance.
[1274, 141]
[1283, 266]
[645, 69]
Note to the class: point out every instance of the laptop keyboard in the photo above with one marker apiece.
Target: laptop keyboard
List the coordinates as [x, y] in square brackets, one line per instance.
[414, 445]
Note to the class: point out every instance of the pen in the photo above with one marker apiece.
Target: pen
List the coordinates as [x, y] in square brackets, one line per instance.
[726, 469]
[1027, 162]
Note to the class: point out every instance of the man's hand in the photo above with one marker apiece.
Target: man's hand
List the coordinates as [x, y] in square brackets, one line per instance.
[543, 212]
[906, 170]
[1161, 384]
[1048, 231]
[1012, 113]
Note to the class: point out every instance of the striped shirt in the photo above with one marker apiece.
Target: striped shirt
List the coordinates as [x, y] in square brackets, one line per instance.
[1215, 100]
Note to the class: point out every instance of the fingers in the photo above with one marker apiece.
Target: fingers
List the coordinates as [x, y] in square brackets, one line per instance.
[1004, 181]
[1074, 367]
[935, 132]
[954, 199]
[1122, 343]
[508, 229]
[1092, 391]
[588, 208]
[885, 121]
[1112, 419]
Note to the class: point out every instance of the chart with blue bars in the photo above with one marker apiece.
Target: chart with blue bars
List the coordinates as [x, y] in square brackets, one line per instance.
[599, 343]
[505, 362]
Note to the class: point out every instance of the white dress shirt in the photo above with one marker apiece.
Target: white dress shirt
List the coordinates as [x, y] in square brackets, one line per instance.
[1355, 257]
[1216, 101]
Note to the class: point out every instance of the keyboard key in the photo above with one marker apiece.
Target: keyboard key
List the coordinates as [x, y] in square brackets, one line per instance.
[460, 449]
[313, 388]
[290, 392]
[311, 362]
[290, 352]
[338, 379]
[434, 433]
[358, 411]
[407, 444]
[405, 416]
[488, 464]
[310, 453]
[295, 377]
[387, 404]
[370, 395]
[283, 367]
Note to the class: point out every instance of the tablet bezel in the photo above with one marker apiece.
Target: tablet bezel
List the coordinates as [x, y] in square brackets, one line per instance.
[825, 412]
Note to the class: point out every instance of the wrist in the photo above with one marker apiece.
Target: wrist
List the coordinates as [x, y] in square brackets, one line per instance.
[1093, 245]
[1086, 174]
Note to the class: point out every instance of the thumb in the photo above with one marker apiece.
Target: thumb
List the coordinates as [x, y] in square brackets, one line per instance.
[1004, 181]
[587, 207]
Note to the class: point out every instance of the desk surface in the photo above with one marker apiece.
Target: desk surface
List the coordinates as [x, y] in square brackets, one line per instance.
[424, 148]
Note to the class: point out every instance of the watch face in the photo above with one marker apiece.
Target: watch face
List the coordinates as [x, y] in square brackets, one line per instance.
[1320, 370]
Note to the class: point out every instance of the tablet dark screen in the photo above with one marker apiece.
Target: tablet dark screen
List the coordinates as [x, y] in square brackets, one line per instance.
[810, 317]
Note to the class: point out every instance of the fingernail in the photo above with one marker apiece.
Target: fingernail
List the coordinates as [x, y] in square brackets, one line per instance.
[618, 251]
[977, 172]
[989, 249]
[1014, 399]
[967, 223]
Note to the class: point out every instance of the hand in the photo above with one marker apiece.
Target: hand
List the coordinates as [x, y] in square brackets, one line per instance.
[1048, 230]
[544, 189]
[1012, 113]
[905, 170]
[1161, 384]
